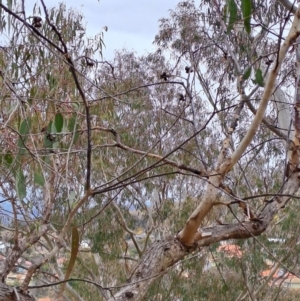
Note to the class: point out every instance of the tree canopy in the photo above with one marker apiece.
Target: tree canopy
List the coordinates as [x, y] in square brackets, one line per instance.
[172, 175]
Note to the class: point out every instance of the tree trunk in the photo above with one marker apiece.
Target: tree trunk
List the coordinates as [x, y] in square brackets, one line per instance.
[158, 258]
[162, 255]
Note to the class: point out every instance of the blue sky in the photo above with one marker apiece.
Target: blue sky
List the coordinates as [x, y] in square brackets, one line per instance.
[132, 24]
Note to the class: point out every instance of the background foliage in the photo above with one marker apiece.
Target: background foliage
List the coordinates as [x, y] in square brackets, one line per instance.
[133, 135]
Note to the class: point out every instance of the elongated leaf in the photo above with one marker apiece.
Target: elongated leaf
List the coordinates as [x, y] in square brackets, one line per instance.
[76, 135]
[15, 69]
[20, 185]
[225, 13]
[59, 122]
[21, 145]
[247, 73]
[25, 127]
[74, 252]
[259, 78]
[232, 14]
[32, 94]
[51, 80]
[24, 131]
[42, 56]
[48, 141]
[53, 128]
[73, 124]
[246, 10]
[39, 179]
[8, 158]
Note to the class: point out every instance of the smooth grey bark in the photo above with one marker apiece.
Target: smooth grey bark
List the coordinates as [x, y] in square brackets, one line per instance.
[283, 113]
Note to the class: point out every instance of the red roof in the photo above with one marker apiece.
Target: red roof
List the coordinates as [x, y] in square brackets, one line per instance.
[280, 277]
[231, 250]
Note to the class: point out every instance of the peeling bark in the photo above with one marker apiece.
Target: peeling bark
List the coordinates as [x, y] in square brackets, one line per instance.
[187, 235]
[158, 258]
[162, 255]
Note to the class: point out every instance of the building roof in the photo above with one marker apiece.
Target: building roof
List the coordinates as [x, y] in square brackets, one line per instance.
[280, 277]
[231, 250]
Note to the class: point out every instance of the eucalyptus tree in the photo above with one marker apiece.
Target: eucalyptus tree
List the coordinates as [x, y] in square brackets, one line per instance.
[191, 145]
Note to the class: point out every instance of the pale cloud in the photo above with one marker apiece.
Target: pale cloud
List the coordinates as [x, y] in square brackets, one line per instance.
[132, 24]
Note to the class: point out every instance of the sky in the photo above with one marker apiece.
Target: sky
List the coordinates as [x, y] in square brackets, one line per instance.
[132, 24]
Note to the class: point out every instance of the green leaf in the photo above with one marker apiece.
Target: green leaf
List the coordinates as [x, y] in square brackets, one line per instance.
[259, 78]
[39, 179]
[51, 81]
[59, 122]
[225, 8]
[21, 145]
[25, 127]
[76, 135]
[72, 123]
[246, 10]
[48, 143]
[75, 105]
[24, 131]
[247, 73]
[232, 14]
[53, 128]
[15, 69]
[32, 94]
[8, 158]
[73, 126]
[42, 56]
[20, 185]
